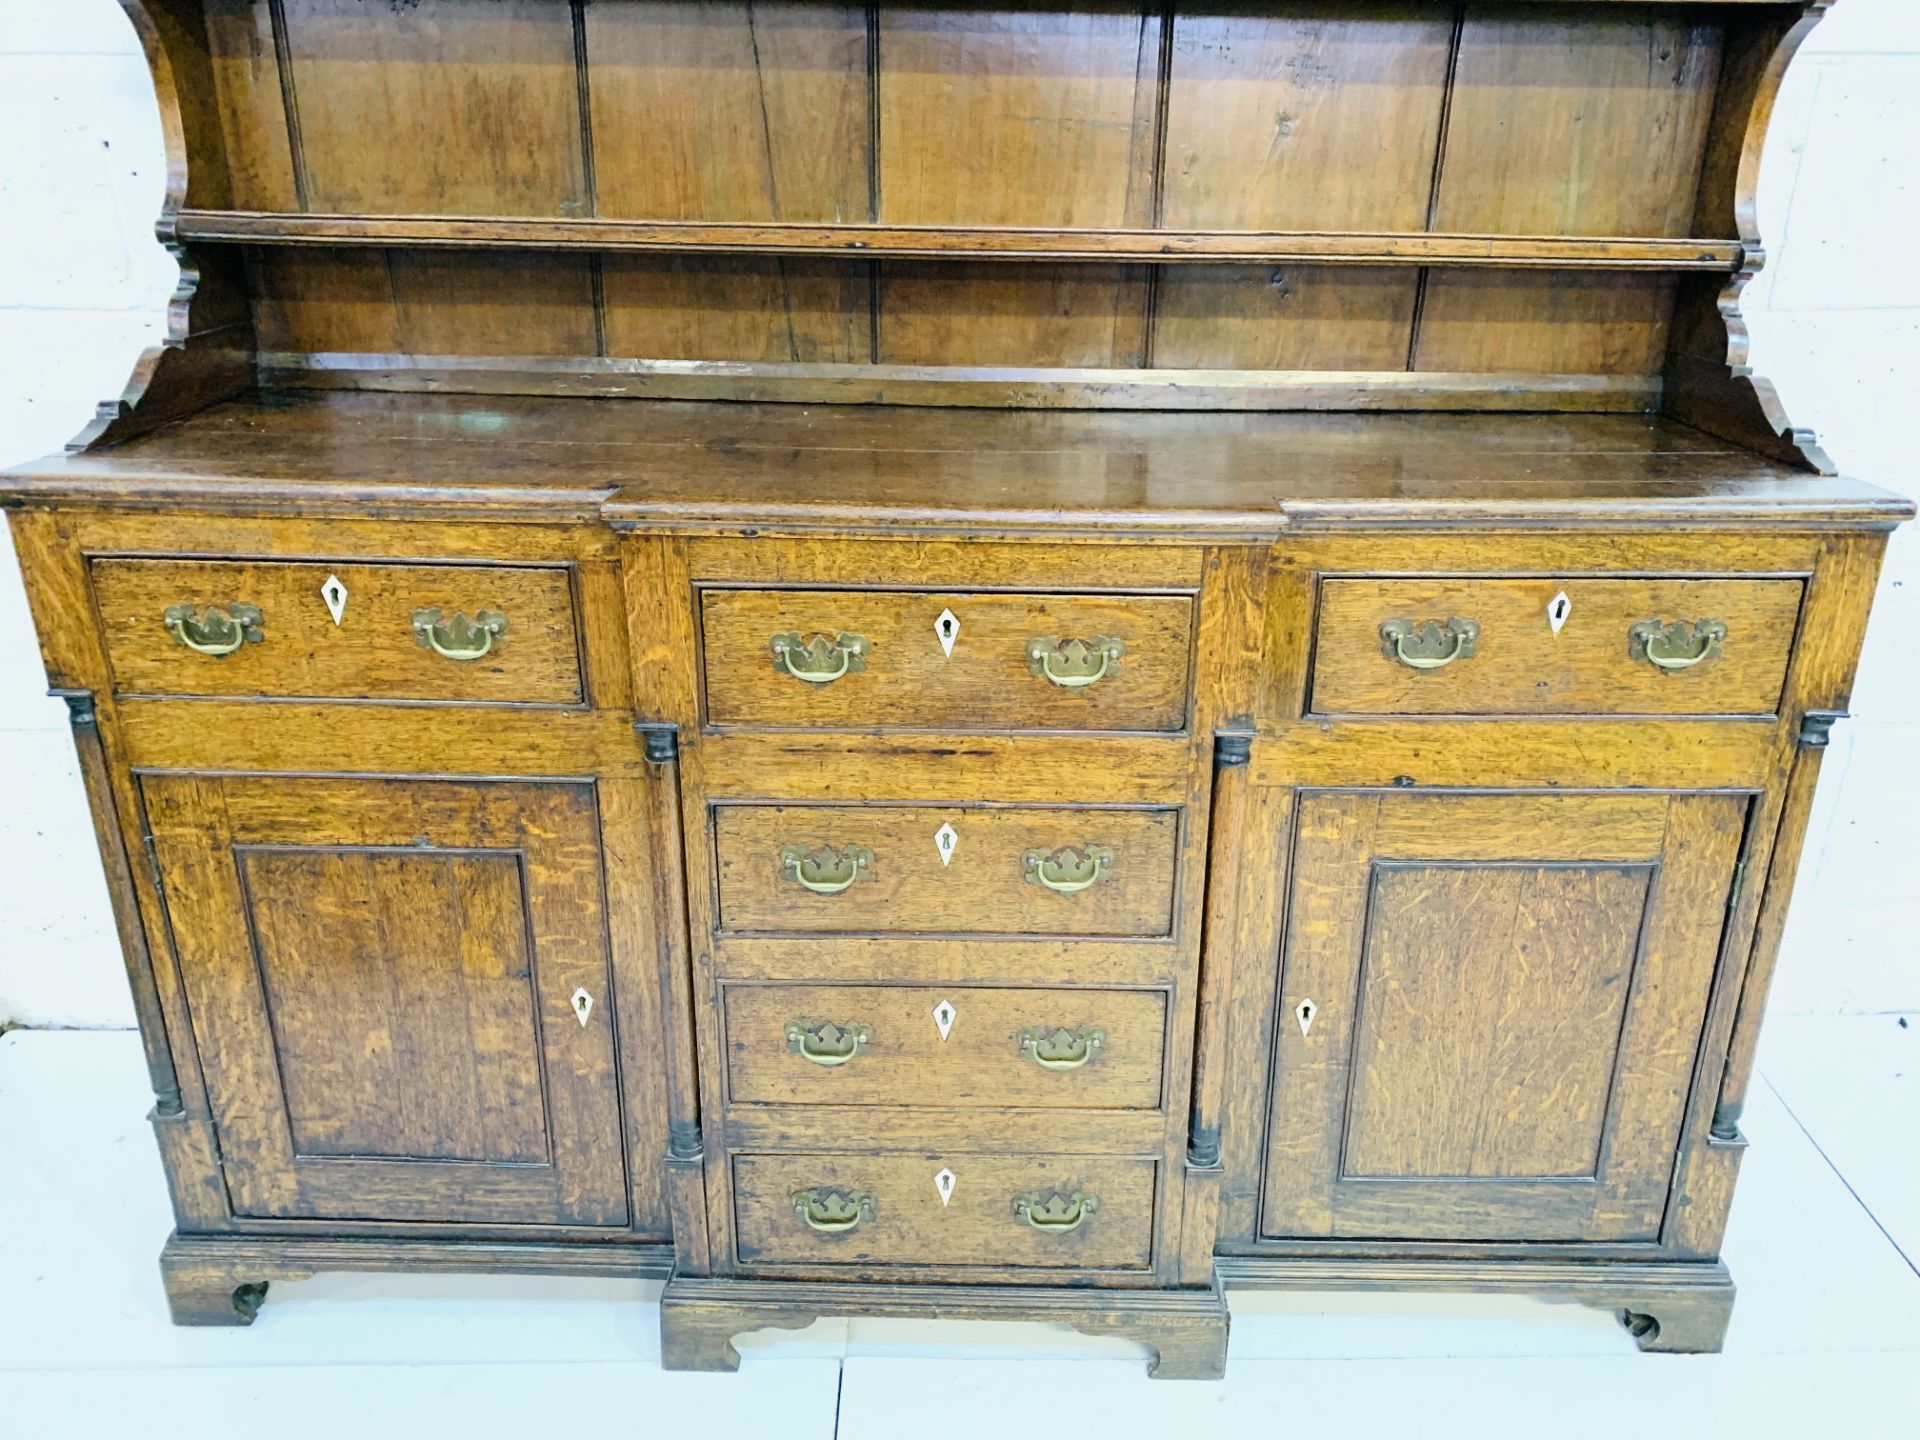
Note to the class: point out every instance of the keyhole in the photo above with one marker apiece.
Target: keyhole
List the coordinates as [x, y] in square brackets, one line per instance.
[946, 627]
[1304, 1013]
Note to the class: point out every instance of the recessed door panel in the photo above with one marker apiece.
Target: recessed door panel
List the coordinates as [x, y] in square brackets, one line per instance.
[1490, 1007]
[400, 991]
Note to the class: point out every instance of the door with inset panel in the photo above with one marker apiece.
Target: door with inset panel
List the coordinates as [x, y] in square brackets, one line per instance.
[399, 989]
[1490, 1008]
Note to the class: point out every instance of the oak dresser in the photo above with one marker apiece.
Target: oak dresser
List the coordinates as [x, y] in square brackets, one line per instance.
[1015, 660]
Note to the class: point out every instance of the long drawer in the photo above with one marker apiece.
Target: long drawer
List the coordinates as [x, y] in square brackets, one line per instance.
[1546, 646]
[960, 1046]
[487, 633]
[861, 659]
[910, 869]
[1057, 1212]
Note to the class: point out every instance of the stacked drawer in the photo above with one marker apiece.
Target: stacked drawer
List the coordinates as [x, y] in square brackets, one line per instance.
[944, 996]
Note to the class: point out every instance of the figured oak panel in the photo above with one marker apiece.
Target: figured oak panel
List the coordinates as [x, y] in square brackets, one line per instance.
[905, 887]
[1549, 322]
[384, 978]
[1520, 666]
[438, 107]
[372, 653]
[1577, 120]
[1486, 1045]
[1304, 116]
[1283, 317]
[729, 111]
[1489, 1011]
[390, 976]
[905, 677]
[980, 1062]
[910, 1225]
[707, 307]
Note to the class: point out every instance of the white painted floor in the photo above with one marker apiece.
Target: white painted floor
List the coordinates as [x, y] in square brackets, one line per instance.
[1825, 1340]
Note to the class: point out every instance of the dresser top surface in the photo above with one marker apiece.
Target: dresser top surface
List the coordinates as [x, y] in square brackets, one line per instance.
[711, 466]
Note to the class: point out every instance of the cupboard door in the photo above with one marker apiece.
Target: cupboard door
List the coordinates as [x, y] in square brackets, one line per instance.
[1490, 1007]
[383, 978]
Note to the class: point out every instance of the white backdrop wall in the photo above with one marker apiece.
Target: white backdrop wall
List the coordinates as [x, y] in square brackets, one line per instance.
[1836, 322]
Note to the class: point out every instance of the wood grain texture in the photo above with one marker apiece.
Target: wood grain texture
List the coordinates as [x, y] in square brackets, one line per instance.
[436, 106]
[1297, 116]
[908, 679]
[907, 888]
[282, 963]
[1571, 122]
[1521, 666]
[979, 1063]
[1343, 1107]
[371, 653]
[730, 111]
[979, 1227]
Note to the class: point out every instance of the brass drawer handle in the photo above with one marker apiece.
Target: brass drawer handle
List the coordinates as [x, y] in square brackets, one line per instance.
[825, 871]
[1068, 871]
[218, 630]
[459, 638]
[1060, 1048]
[1427, 644]
[833, 1212]
[1073, 664]
[828, 1044]
[819, 661]
[1053, 1212]
[1679, 646]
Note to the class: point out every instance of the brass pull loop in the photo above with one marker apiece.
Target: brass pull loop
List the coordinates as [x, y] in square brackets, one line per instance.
[825, 871]
[1073, 664]
[218, 630]
[1061, 1049]
[459, 638]
[1679, 646]
[827, 1044]
[819, 661]
[1067, 871]
[833, 1212]
[1427, 644]
[1053, 1212]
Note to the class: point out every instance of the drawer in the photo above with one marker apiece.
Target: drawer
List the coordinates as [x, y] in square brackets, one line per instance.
[1489, 647]
[965, 870]
[883, 1045]
[861, 659]
[1069, 1213]
[167, 622]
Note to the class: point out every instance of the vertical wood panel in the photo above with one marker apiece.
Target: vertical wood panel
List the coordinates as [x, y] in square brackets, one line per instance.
[1016, 115]
[439, 107]
[493, 303]
[1549, 322]
[729, 111]
[248, 98]
[1305, 116]
[721, 308]
[1571, 120]
[323, 300]
[1293, 317]
[988, 314]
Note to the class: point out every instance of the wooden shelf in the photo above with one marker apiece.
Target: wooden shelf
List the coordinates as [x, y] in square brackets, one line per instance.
[916, 242]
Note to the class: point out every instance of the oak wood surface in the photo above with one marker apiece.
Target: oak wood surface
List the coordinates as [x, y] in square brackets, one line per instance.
[371, 652]
[982, 1061]
[1521, 665]
[907, 886]
[909, 678]
[978, 1226]
[691, 466]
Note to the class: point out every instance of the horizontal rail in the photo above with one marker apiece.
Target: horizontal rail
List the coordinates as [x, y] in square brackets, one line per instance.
[963, 242]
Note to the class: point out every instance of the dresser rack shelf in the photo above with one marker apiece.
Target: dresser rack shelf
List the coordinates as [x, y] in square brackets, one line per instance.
[962, 242]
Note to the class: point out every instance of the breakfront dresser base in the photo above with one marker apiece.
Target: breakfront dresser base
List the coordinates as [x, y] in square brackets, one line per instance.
[985, 818]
